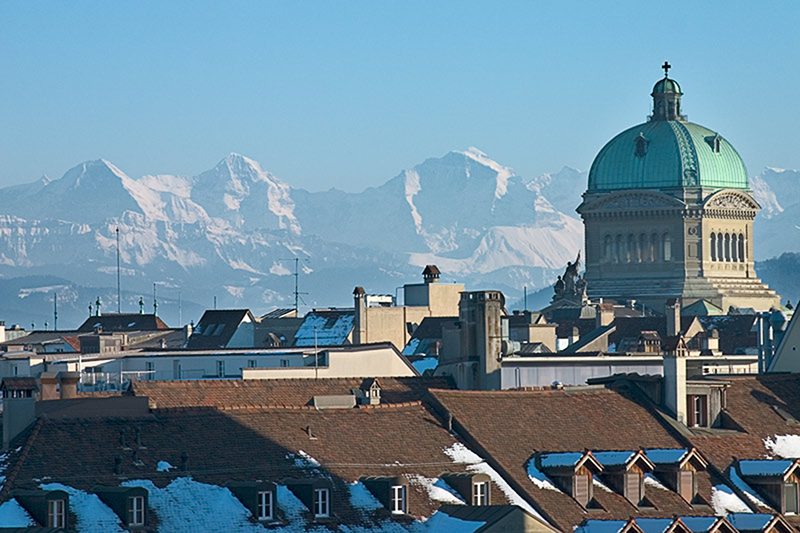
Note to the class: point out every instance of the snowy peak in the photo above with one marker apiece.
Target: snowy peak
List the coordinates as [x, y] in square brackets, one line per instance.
[503, 172]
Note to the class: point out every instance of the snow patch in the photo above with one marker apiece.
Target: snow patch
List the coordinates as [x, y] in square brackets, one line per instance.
[742, 485]
[437, 489]
[539, 478]
[164, 466]
[503, 173]
[13, 515]
[441, 521]
[652, 481]
[724, 501]
[412, 187]
[784, 446]
[362, 498]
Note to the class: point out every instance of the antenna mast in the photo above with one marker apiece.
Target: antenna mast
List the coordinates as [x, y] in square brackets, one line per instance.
[55, 311]
[155, 301]
[119, 291]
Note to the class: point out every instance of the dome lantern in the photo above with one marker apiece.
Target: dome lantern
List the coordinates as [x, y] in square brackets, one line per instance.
[667, 98]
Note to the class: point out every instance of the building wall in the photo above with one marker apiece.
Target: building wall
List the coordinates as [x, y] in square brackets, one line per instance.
[377, 362]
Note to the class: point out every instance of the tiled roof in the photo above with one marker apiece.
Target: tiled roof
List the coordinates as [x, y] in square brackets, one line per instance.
[123, 322]
[512, 425]
[247, 445]
[274, 392]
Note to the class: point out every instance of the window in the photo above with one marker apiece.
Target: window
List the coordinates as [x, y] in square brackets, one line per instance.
[321, 503]
[251, 363]
[727, 247]
[150, 369]
[633, 488]
[641, 146]
[56, 513]
[480, 493]
[790, 501]
[264, 505]
[220, 369]
[741, 248]
[687, 485]
[582, 489]
[734, 248]
[284, 363]
[713, 246]
[398, 499]
[698, 410]
[136, 511]
[667, 255]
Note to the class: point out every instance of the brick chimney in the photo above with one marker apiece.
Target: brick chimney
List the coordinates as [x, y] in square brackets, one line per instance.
[69, 384]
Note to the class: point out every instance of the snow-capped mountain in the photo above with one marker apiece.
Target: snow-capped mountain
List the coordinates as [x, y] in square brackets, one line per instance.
[233, 231]
[776, 227]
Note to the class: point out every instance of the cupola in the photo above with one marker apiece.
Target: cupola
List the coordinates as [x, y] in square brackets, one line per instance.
[667, 98]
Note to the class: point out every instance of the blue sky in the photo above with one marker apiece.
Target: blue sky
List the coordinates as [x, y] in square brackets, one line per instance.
[347, 94]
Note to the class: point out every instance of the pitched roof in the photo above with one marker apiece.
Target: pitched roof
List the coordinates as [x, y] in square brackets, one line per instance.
[566, 421]
[216, 327]
[325, 327]
[272, 445]
[275, 392]
[123, 322]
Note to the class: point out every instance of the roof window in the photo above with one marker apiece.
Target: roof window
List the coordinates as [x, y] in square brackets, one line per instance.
[625, 471]
[257, 497]
[473, 488]
[776, 481]
[391, 492]
[640, 145]
[572, 472]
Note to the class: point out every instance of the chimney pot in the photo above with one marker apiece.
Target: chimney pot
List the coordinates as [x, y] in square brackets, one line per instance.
[118, 465]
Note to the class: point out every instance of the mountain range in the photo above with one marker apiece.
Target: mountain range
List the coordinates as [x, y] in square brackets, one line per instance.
[231, 234]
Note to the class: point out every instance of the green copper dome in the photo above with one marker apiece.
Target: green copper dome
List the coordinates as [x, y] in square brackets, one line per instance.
[667, 153]
[666, 85]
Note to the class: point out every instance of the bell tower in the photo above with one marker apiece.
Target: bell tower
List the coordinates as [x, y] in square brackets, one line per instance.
[667, 98]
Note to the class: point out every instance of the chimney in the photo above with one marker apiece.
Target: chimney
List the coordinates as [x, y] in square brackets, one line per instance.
[184, 462]
[574, 336]
[604, 314]
[711, 341]
[360, 318]
[675, 377]
[673, 317]
[69, 384]
[19, 407]
[187, 332]
[49, 385]
[2, 331]
[431, 274]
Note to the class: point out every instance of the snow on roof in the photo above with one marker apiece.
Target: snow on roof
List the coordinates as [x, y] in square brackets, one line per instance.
[764, 467]
[441, 521]
[328, 329]
[740, 484]
[550, 460]
[362, 498]
[613, 458]
[538, 477]
[437, 489]
[461, 454]
[186, 505]
[601, 526]
[410, 348]
[652, 481]
[164, 466]
[303, 460]
[427, 363]
[93, 516]
[749, 522]
[666, 456]
[785, 446]
[654, 525]
[698, 524]
[724, 501]
[13, 515]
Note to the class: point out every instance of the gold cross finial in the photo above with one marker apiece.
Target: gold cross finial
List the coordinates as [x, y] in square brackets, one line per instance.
[666, 66]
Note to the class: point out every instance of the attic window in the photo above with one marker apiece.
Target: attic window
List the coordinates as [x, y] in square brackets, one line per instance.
[640, 146]
[136, 511]
[322, 503]
[698, 410]
[56, 513]
[264, 505]
[713, 142]
[480, 493]
[790, 499]
[398, 499]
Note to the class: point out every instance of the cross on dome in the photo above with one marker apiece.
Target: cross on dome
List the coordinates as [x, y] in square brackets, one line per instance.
[666, 66]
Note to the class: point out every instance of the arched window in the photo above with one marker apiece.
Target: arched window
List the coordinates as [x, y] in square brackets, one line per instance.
[640, 147]
[720, 247]
[619, 252]
[643, 248]
[667, 248]
[742, 248]
[734, 248]
[655, 247]
[727, 247]
[713, 246]
[631, 255]
[607, 252]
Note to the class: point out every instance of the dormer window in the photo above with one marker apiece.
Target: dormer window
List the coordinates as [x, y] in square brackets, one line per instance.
[775, 480]
[264, 505]
[625, 471]
[678, 468]
[640, 146]
[480, 493]
[698, 410]
[713, 142]
[572, 472]
[398, 499]
[136, 511]
[791, 505]
[56, 513]
[473, 488]
[322, 498]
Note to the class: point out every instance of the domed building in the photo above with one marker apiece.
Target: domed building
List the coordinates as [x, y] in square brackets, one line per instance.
[668, 214]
